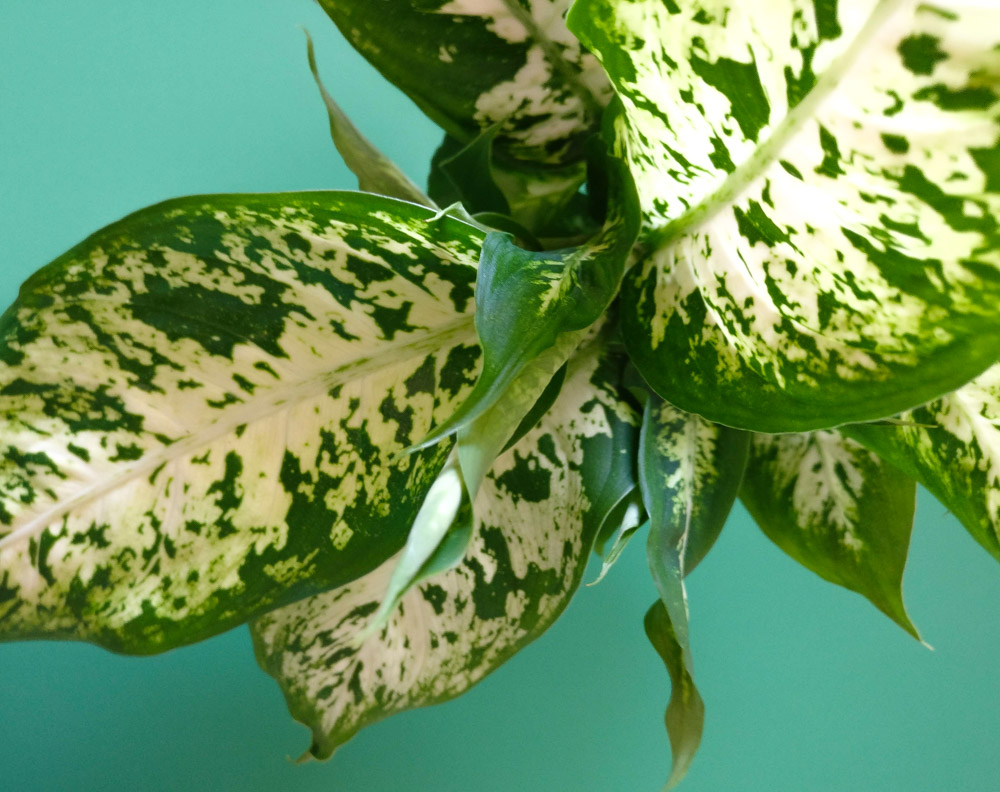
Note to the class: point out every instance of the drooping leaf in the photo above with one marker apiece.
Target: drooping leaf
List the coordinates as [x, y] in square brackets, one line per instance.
[837, 509]
[685, 716]
[822, 197]
[952, 447]
[528, 552]
[201, 406]
[689, 473]
[471, 64]
[376, 173]
[531, 304]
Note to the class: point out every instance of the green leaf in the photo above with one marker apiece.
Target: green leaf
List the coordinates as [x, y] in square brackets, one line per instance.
[201, 408]
[470, 64]
[689, 474]
[536, 200]
[452, 630]
[685, 717]
[952, 447]
[837, 509]
[822, 202]
[530, 304]
[466, 174]
[376, 173]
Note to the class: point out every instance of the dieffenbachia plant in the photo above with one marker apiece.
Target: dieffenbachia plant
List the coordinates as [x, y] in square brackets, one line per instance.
[671, 253]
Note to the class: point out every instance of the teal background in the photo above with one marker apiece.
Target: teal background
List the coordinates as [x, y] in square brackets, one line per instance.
[108, 106]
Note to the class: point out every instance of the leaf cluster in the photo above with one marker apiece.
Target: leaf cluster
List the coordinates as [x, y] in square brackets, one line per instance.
[670, 254]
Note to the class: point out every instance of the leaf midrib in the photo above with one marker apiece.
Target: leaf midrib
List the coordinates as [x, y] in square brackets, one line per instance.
[256, 409]
[767, 152]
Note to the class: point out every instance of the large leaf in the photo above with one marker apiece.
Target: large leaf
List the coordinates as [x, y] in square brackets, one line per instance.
[200, 407]
[689, 473]
[534, 529]
[836, 508]
[952, 446]
[470, 64]
[822, 191]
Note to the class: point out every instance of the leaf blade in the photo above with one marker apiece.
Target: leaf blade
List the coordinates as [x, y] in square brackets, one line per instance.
[513, 584]
[183, 435]
[838, 510]
[810, 262]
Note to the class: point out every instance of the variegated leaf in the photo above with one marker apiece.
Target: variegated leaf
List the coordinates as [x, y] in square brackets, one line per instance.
[689, 473]
[470, 64]
[836, 508]
[822, 191]
[534, 530]
[200, 407]
[952, 447]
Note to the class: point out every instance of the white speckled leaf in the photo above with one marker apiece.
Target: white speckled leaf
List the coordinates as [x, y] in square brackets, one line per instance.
[689, 473]
[837, 509]
[821, 186]
[472, 63]
[534, 528]
[200, 407]
[952, 447]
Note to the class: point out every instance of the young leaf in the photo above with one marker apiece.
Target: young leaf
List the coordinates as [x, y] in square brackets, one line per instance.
[530, 304]
[620, 526]
[837, 509]
[200, 408]
[952, 447]
[453, 629]
[376, 173]
[689, 474]
[471, 64]
[822, 194]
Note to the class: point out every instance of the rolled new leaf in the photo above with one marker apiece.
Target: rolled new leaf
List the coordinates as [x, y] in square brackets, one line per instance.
[821, 193]
[836, 508]
[530, 546]
[470, 64]
[952, 447]
[201, 408]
